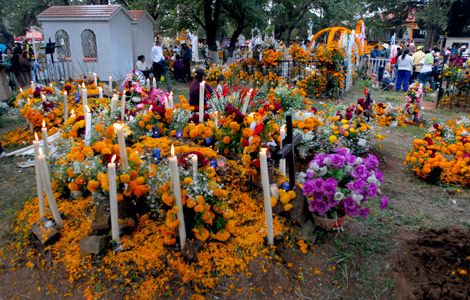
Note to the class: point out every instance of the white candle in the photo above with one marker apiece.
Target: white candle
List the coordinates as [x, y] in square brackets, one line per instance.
[282, 161]
[267, 194]
[154, 83]
[43, 98]
[202, 88]
[46, 184]
[177, 193]
[72, 113]
[50, 85]
[113, 205]
[39, 189]
[147, 85]
[87, 126]
[110, 84]
[194, 162]
[100, 92]
[216, 119]
[95, 79]
[170, 98]
[84, 97]
[122, 145]
[44, 137]
[123, 107]
[32, 85]
[66, 106]
[165, 102]
[21, 90]
[247, 100]
[114, 101]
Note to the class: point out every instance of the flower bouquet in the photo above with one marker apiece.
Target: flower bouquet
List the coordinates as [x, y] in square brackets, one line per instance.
[342, 184]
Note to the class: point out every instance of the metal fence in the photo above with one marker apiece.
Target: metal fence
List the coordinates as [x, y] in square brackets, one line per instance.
[47, 71]
[291, 70]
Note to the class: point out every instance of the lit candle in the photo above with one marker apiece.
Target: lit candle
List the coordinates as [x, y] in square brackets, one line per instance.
[123, 107]
[72, 113]
[147, 85]
[267, 194]
[39, 189]
[247, 100]
[100, 92]
[32, 85]
[84, 97]
[113, 205]
[154, 83]
[87, 126]
[94, 78]
[21, 90]
[66, 104]
[177, 193]
[194, 162]
[43, 98]
[46, 184]
[50, 85]
[202, 88]
[110, 84]
[122, 145]
[44, 137]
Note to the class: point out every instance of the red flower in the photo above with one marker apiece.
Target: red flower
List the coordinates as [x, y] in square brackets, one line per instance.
[258, 129]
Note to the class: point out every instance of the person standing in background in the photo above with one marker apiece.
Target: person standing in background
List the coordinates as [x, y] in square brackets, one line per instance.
[405, 67]
[187, 58]
[417, 59]
[158, 60]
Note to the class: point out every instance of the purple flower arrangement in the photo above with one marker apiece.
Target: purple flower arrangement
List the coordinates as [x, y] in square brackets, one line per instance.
[342, 183]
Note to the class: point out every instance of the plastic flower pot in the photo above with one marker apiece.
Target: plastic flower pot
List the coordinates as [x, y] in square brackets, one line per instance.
[328, 224]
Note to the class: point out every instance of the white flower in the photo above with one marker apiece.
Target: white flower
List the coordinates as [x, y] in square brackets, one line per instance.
[314, 167]
[348, 169]
[274, 191]
[358, 160]
[464, 132]
[362, 142]
[357, 198]
[326, 161]
[339, 196]
[372, 179]
[322, 171]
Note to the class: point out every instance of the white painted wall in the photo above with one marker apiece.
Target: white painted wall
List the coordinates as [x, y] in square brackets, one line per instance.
[143, 39]
[451, 40]
[113, 39]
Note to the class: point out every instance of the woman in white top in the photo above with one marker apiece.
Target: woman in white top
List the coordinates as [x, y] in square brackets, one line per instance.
[405, 67]
[141, 66]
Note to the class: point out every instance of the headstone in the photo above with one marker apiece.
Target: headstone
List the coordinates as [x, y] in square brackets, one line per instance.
[191, 249]
[45, 231]
[101, 223]
[299, 212]
[93, 244]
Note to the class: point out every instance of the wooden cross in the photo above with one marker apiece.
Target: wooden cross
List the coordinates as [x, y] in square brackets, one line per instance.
[287, 151]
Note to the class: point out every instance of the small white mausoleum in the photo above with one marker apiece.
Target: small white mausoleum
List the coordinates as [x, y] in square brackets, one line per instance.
[101, 39]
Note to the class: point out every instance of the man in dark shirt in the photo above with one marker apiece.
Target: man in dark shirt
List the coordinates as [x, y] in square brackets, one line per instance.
[194, 90]
[187, 57]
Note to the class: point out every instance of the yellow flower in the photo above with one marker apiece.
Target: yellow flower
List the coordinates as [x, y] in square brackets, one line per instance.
[333, 139]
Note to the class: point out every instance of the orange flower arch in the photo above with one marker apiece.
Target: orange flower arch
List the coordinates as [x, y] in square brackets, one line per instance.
[332, 31]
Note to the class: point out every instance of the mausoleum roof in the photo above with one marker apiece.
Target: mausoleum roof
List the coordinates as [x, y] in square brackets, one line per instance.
[80, 11]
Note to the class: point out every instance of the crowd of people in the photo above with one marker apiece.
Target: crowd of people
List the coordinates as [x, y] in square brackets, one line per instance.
[180, 57]
[18, 60]
[407, 64]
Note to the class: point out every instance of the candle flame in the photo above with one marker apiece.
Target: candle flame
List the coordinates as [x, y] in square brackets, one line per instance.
[40, 151]
[251, 90]
[36, 136]
[21, 90]
[171, 93]
[94, 74]
[87, 109]
[65, 93]
[83, 85]
[117, 126]
[263, 150]
[113, 158]
[151, 107]
[43, 123]
[72, 112]
[172, 151]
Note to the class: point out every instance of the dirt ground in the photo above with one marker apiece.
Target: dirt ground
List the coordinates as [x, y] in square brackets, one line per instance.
[416, 249]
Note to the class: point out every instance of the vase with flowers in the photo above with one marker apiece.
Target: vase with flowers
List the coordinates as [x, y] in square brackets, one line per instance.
[341, 185]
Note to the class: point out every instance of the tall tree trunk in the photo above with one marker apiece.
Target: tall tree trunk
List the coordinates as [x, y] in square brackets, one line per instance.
[211, 22]
[235, 35]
